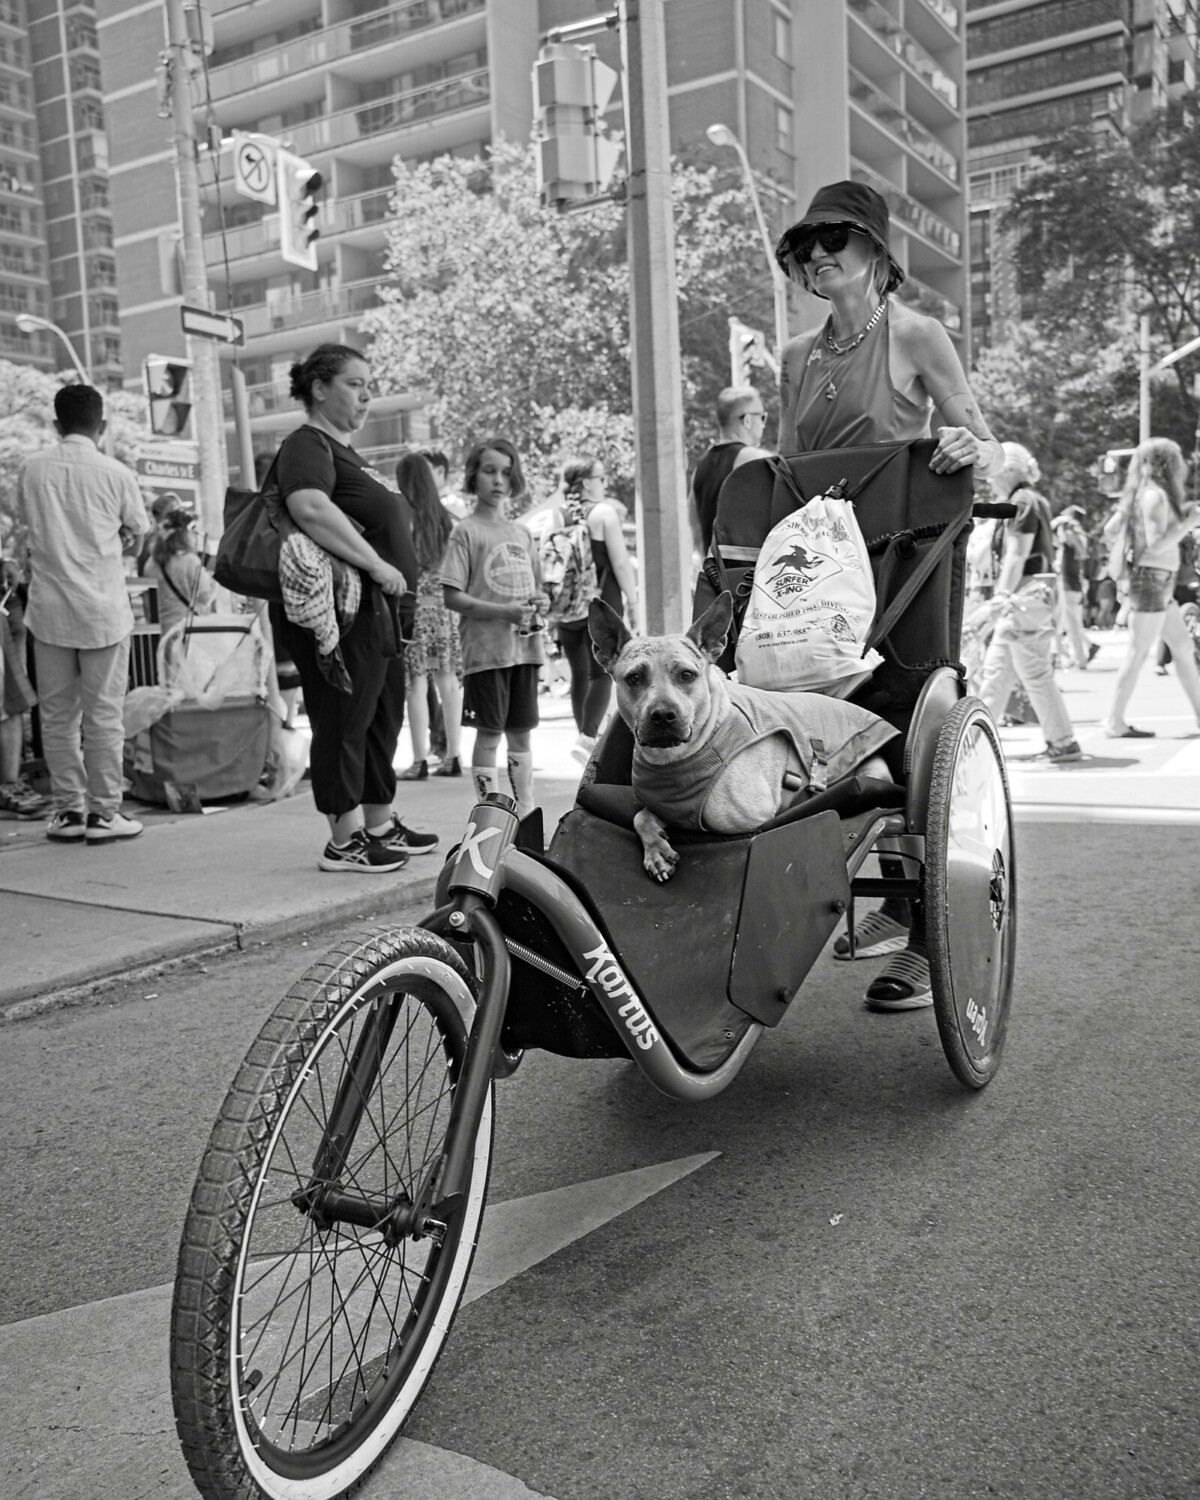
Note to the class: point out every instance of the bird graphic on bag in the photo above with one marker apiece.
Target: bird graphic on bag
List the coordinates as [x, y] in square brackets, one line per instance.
[799, 560]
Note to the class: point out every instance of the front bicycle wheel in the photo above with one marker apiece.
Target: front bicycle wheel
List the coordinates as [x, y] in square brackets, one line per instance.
[319, 1274]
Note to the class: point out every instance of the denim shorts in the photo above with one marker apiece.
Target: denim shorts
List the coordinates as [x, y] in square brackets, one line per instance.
[1150, 590]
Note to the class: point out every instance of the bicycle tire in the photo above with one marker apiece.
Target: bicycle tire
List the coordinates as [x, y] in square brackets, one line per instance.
[272, 1397]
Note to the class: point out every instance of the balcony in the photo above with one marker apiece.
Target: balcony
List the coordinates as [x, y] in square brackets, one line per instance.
[336, 305]
[378, 118]
[337, 42]
[888, 31]
[263, 400]
[254, 241]
[925, 300]
[912, 215]
[887, 113]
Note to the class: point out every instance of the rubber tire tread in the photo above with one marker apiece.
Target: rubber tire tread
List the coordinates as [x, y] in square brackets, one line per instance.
[935, 894]
[208, 1252]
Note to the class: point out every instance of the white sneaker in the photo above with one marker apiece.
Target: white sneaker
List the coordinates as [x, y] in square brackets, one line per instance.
[109, 830]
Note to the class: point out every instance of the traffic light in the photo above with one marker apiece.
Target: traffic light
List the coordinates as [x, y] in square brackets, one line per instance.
[298, 182]
[575, 157]
[168, 384]
[747, 346]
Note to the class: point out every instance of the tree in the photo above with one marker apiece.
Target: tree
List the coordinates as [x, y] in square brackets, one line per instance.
[26, 427]
[1110, 227]
[508, 317]
[1066, 400]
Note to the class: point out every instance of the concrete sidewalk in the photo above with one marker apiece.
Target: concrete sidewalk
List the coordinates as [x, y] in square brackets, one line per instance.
[74, 915]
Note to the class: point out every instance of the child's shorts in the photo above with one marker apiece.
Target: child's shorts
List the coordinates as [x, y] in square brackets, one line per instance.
[501, 698]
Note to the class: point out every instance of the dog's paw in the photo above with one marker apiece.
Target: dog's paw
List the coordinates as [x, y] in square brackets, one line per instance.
[660, 861]
[658, 858]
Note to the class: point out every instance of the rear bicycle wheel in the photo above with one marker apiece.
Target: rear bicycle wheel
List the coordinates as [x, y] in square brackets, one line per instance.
[315, 1289]
[970, 893]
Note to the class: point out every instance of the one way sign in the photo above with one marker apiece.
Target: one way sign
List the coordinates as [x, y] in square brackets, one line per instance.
[210, 325]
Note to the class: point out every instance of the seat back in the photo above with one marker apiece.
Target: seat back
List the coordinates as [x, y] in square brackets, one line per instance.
[903, 508]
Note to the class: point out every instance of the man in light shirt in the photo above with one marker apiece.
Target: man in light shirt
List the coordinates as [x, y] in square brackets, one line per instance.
[81, 509]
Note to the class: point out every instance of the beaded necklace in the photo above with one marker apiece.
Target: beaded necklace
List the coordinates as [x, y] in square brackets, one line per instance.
[835, 348]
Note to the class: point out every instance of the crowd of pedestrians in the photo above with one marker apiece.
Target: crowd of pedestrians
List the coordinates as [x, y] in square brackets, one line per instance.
[404, 597]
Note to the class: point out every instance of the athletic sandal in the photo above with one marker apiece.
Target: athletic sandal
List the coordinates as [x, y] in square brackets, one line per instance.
[418, 771]
[1130, 733]
[874, 936]
[903, 985]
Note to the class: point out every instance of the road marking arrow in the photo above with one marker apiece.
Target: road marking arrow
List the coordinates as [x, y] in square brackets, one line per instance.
[88, 1388]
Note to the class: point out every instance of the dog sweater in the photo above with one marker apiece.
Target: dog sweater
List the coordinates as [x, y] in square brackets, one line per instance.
[830, 738]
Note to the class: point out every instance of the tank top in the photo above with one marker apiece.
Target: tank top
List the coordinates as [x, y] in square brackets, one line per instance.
[1162, 554]
[848, 399]
[711, 473]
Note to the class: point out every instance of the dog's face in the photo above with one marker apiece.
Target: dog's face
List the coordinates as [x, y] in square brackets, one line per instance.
[662, 681]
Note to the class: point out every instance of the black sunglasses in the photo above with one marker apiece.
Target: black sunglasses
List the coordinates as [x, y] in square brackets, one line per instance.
[832, 238]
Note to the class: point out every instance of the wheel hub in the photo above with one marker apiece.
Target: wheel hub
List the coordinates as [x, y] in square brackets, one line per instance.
[998, 891]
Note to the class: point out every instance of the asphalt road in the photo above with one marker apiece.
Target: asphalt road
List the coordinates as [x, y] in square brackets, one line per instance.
[880, 1285]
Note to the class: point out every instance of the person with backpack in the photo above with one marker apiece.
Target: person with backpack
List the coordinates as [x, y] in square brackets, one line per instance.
[1026, 602]
[583, 557]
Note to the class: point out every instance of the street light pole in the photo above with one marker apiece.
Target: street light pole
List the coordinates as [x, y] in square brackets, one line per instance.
[721, 135]
[27, 322]
[206, 368]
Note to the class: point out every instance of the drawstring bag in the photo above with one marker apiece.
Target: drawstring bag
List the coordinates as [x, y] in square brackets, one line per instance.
[812, 603]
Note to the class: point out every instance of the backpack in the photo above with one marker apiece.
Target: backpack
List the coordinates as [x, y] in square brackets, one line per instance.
[568, 570]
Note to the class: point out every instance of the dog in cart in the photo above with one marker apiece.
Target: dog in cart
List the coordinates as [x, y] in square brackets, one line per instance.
[338, 1205]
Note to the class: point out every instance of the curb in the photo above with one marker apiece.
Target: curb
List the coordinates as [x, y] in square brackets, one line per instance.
[92, 986]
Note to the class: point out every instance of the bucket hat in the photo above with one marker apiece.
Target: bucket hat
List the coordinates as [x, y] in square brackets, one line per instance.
[844, 203]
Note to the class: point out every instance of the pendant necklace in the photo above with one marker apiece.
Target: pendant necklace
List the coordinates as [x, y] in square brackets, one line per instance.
[836, 348]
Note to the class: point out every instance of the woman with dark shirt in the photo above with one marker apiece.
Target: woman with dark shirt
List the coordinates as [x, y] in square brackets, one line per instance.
[356, 514]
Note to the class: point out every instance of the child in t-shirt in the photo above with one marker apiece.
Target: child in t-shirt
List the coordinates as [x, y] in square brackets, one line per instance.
[490, 577]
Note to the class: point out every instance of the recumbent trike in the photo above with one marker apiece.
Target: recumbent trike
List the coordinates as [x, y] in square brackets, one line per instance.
[339, 1201]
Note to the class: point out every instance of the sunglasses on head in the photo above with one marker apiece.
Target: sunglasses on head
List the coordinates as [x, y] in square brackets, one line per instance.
[832, 238]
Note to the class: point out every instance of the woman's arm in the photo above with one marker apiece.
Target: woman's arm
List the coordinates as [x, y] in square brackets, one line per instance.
[964, 438]
[1158, 522]
[318, 517]
[791, 370]
[618, 556]
[1017, 547]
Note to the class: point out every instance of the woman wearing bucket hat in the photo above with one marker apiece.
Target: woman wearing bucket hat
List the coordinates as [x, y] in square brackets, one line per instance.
[874, 372]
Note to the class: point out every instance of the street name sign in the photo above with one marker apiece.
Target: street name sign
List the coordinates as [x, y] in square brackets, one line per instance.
[210, 325]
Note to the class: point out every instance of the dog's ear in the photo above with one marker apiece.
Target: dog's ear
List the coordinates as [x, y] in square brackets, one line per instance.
[710, 630]
[610, 634]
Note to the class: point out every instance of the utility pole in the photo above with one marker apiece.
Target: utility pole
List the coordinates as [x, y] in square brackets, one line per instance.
[664, 535]
[206, 367]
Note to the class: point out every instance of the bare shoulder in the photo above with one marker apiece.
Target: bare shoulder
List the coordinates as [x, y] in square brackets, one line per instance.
[916, 332]
[746, 454]
[797, 350]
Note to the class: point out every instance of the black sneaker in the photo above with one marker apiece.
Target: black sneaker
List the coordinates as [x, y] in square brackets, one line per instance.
[362, 855]
[406, 839]
[66, 828]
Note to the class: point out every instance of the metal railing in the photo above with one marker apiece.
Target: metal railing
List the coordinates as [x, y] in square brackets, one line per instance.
[890, 115]
[906, 47]
[249, 241]
[328, 306]
[910, 213]
[317, 49]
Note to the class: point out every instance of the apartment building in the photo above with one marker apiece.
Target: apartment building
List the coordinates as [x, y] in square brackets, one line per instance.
[24, 280]
[869, 88]
[73, 151]
[1037, 68]
[56, 257]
